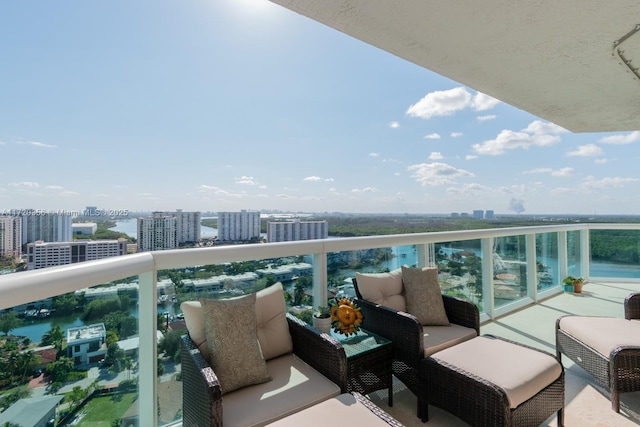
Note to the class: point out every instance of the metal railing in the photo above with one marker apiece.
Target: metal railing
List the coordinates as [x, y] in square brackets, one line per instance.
[24, 287]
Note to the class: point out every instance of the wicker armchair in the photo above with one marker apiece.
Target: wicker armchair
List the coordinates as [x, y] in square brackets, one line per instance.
[202, 397]
[407, 334]
[606, 347]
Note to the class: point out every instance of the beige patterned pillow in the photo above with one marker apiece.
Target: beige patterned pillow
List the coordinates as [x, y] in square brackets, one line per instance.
[382, 288]
[231, 329]
[424, 298]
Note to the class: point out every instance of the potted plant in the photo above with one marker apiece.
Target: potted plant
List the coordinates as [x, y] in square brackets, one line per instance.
[573, 284]
[322, 319]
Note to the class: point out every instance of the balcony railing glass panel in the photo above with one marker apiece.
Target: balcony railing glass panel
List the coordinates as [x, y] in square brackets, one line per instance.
[509, 269]
[547, 263]
[460, 269]
[574, 254]
[615, 253]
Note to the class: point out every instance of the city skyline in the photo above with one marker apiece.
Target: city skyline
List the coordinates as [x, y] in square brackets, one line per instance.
[242, 104]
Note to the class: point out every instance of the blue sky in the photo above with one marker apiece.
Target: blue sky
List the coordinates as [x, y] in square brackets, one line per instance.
[241, 104]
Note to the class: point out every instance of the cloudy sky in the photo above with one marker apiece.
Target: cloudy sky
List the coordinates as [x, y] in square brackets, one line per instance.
[241, 104]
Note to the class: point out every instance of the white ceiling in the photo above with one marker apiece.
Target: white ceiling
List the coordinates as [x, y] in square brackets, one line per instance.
[554, 59]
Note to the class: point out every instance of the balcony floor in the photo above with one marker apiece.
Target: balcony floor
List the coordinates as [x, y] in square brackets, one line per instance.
[587, 405]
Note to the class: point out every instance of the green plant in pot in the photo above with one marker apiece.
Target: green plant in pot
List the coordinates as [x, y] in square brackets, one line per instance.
[573, 284]
[322, 319]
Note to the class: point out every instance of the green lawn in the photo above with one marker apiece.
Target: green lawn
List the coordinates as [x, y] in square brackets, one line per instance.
[102, 411]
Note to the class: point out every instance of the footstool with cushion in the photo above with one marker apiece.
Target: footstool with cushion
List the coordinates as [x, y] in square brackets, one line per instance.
[491, 381]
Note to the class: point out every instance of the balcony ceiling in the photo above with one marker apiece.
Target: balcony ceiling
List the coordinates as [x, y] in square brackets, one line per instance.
[555, 59]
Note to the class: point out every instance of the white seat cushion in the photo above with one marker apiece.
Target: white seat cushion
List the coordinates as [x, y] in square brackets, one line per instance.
[294, 386]
[603, 334]
[341, 410]
[438, 338]
[519, 371]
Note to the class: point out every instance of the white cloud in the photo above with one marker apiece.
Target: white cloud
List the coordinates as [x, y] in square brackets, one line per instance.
[313, 178]
[435, 155]
[53, 187]
[365, 190]
[25, 184]
[537, 170]
[456, 134]
[473, 189]
[441, 103]
[435, 174]
[535, 134]
[591, 183]
[373, 154]
[621, 139]
[470, 157]
[601, 161]
[432, 136]
[245, 180]
[482, 102]
[394, 125]
[589, 150]
[486, 118]
[563, 172]
[37, 144]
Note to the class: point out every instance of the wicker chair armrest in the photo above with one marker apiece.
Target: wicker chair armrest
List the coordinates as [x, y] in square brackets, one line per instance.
[461, 312]
[320, 351]
[632, 306]
[202, 396]
[380, 413]
[402, 328]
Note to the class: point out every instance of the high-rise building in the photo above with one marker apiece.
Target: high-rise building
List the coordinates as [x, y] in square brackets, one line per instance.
[157, 232]
[238, 226]
[189, 227]
[49, 254]
[287, 231]
[478, 214]
[48, 227]
[10, 236]
[489, 214]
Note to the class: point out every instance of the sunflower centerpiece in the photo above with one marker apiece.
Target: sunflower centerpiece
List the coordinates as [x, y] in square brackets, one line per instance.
[345, 316]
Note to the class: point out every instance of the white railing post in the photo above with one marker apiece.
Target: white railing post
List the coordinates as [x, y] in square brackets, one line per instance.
[147, 352]
[320, 293]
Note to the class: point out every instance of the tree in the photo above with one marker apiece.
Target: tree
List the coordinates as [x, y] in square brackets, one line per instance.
[170, 345]
[65, 304]
[54, 337]
[60, 369]
[9, 321]
[77, 395]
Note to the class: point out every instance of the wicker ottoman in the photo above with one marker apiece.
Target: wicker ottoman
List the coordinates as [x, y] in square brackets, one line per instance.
[491, 381]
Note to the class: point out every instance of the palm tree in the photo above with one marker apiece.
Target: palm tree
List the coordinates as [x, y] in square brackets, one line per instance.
[54, 337]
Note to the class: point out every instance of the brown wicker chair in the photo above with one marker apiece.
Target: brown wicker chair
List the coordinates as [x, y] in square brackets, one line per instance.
[202, 397]
[618, 371]
[407, 335]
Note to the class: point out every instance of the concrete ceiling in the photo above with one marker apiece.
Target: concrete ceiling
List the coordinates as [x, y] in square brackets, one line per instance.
[563, 61]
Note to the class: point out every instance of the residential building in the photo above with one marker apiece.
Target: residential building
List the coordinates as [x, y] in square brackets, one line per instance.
[157, 232]
[478, 214]
[32, 411]
[188, 223]
[87, 344]
[10, 236]
[238, 226]
[84, 228]
[287, 231]
[48, 227]
[48, 254]
[489, 214]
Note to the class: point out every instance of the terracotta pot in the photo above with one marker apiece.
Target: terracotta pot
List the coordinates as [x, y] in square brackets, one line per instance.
[577, 287]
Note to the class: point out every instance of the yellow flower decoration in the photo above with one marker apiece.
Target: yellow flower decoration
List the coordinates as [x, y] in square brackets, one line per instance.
[345, 316]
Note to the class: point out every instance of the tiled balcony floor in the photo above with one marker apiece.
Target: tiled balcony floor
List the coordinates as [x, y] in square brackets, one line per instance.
[587, 405]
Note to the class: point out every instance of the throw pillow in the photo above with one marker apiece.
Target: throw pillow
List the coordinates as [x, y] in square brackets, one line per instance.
[382, 288]
[194, 321]
[232, 337]
[273, 328]
[424, 298]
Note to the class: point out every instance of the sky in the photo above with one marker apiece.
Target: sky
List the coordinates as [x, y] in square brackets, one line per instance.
[224, 105]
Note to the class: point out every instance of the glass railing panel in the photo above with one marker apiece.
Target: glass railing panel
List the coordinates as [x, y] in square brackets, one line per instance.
[460, 270]
[615, 253]
[81, 347]
[509, 269]
[547, 264]
[574, 254]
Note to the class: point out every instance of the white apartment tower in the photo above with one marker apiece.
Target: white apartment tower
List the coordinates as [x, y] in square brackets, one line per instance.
[189, 228]
[238, 226]
[156, 233]
[10, 236]
[288, 231]
[49, 254]
[47, 227]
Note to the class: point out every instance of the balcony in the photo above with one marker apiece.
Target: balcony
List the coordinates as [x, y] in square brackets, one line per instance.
[514, 275]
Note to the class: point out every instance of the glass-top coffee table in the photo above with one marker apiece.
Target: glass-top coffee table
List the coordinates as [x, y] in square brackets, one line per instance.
[369, 359]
